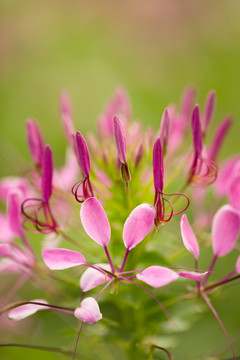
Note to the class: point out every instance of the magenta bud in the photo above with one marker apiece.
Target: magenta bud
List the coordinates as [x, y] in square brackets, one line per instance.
[197, 130]
[158, 170]
[120, 138]
[35, 141]
[47, 174]
[82, 153]
[209, 109]
[138, 155]
[219, 137]
[164, 130]
[14, 212]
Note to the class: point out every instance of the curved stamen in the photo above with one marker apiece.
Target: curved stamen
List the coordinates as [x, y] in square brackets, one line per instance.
[85, 190]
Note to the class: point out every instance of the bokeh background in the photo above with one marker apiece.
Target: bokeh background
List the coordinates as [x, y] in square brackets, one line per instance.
[154, 48]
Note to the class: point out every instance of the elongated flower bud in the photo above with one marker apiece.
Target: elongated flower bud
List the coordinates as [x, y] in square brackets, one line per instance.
[120, 138]
[219, 137]
[197, 130]
[47, 174]
[187, 101]
[208, 109]
[164, 130]
[82, 153]
[158, 170]
[35, 141]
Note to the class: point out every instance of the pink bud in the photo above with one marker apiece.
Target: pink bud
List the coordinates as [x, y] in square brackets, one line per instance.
[35, 141]
[197, 130]
[138, 225]
[208, 109]
[234, 192]
[225, 230]
[238, 265]
[158, 169]
[47, 174]
[88, 311]
[82, 153]
[188, 236]
[120, 138]
[157, 276]
[164, 130]
[187, 101]
[219, 137]
[60, 259]
[95, 221]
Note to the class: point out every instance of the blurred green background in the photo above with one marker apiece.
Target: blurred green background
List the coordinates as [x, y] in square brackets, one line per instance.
[154, 48]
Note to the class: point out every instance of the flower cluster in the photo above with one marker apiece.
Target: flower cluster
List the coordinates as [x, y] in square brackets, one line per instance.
[128, 176]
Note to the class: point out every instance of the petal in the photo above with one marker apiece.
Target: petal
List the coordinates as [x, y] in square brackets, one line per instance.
[138, 225]
[192, 275]
[11, 183]
[157, 276]
[47, 173]
[23, 311]
[92, 278]
[225, 175]
[5, 250]
[95, 221]
[120, 138]
[225, 230]
[234, 192]
[188, 236]
[197, 130]
[238, 265]
[59, 259]
[6, 234]
[158, 169]
[88, 311]
[14, 213]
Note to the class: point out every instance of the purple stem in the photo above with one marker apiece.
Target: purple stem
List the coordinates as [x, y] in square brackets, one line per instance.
[219, 321]
[109, 259]
[75, 350]
[152, 295]
[104, 288]
[210, 269]
[197, 282]
[221, 283]
[96, 268]
[124, 260]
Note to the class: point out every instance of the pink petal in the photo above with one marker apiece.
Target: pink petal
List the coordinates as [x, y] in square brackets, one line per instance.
[157, 276]
[59, 259]
[14, 213]
[6, 234]
[188, 236]
[234, 192]
[138, 225]
[11, 183]
[95, 221]
[238, 265]
[9, 266]
[225, 230]
[88, 311]
[5, 250]
[47, 173]
[23, 311]
[120, 138]
[92, 278]
[193, 275]
[219, 136]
